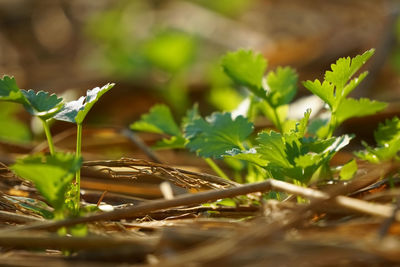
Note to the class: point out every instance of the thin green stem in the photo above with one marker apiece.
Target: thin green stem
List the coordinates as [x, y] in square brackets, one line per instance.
[78, 172]
[278, 121]
[48, 136]
[332, 124]
[215, 168]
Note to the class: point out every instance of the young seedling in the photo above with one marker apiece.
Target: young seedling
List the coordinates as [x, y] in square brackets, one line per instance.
[40, 104]
[292, 155]
[75, 112]
[52, 176]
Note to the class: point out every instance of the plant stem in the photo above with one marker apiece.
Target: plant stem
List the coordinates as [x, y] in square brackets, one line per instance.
[332, 124]
[278, 121]
[48, 136]
[78, 172]
[215, 168]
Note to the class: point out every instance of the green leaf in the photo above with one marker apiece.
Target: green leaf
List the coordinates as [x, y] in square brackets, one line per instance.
[9, 91]
[217, 135]
[336, 85]
[282, 86]
[272, 148]
[246, 69]
[301, 126]
[348, 170]
[350, 107]
[387, 132]
[387, 137]
[345, 68]
[51, 174]
[308, 160]
[158, 120]
[76, 111]
[325, 91]
[42, 104]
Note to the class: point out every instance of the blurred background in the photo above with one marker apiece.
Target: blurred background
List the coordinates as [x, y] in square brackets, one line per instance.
[169, 52]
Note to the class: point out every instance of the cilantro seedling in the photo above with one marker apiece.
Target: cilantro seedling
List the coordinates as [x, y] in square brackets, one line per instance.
[75, 112]
[335, 88]
[292, 155]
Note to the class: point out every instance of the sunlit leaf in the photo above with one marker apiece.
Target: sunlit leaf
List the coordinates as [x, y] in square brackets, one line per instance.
[246, 69]
[325, 91]
[76, 111]
[51, 174]
[348, 170]
[345, 68]
[387, 136]
[282, 86]
[158, 120]
[350, 107]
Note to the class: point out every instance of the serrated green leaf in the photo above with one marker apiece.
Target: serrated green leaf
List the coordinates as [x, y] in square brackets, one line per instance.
[246, 69]
[350, 107]
[348, 170]
[301, 126]
[282, 86]
[217, 134]
[158, 120]
[308, 160]
[76, 111]
[9, 91]
[345, 68]
[272, 148]
[42, 104]
[51, 174]
[325, 91]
